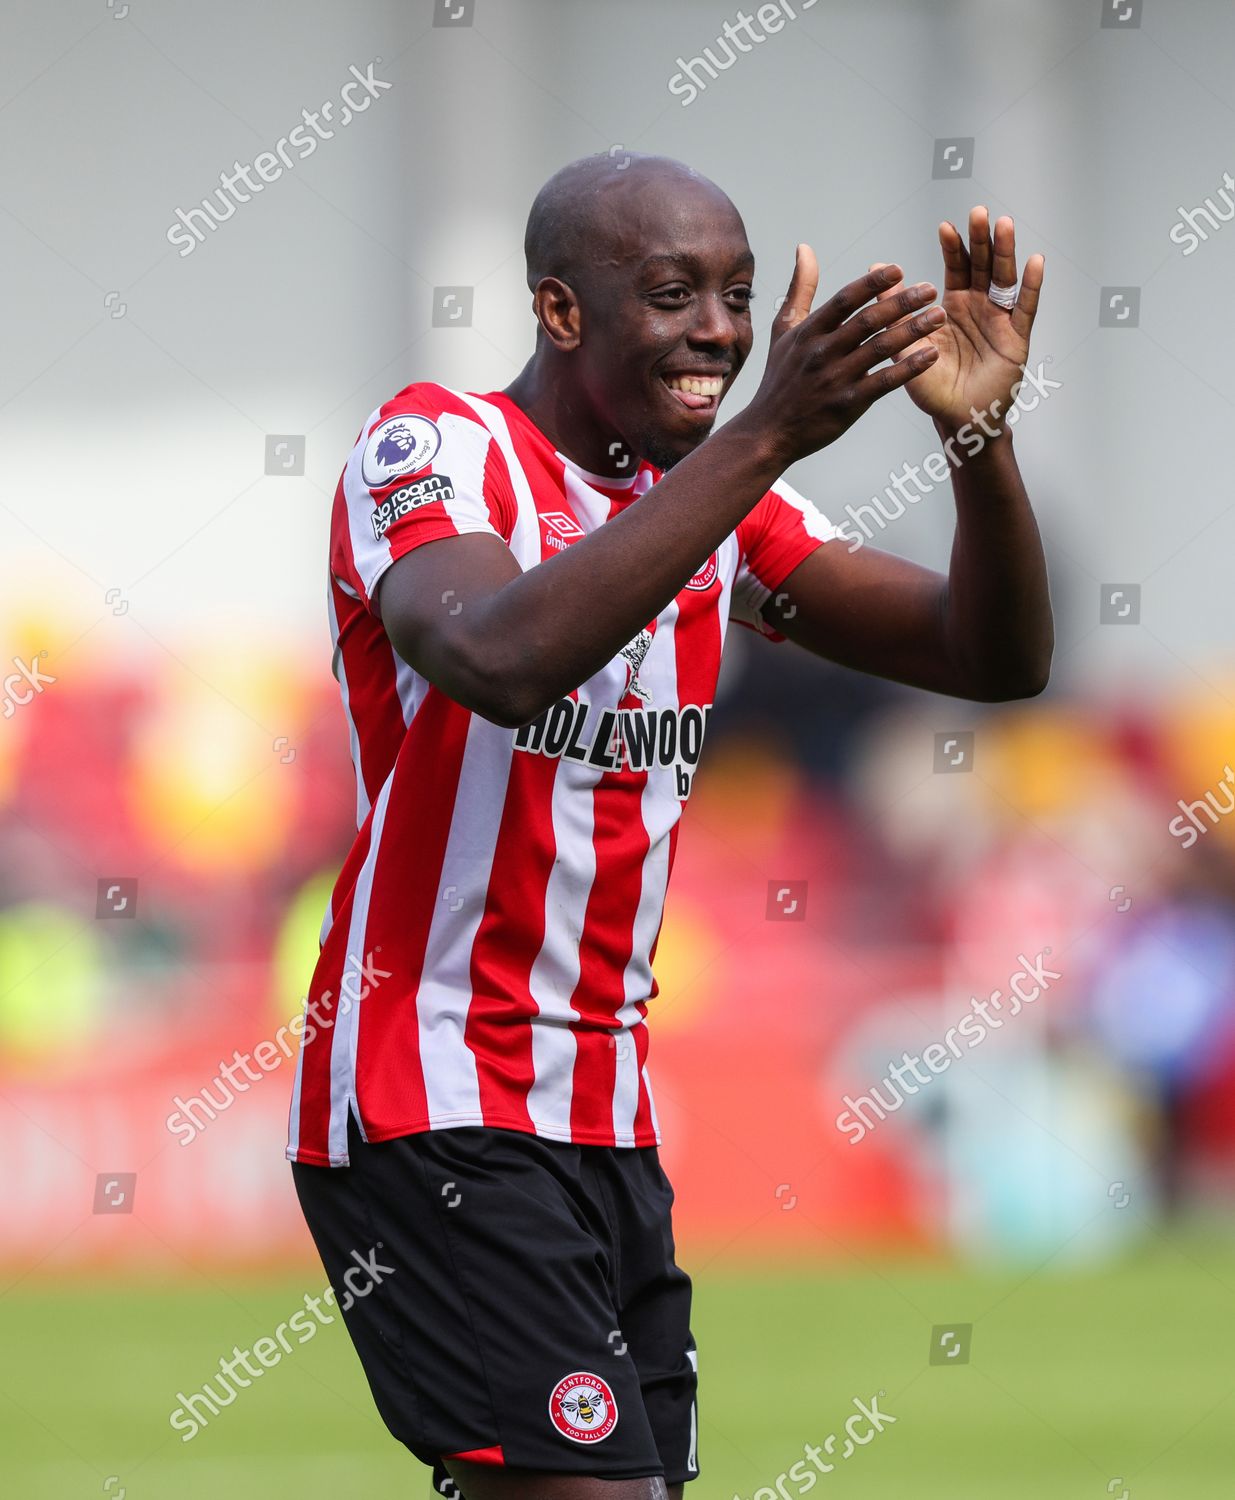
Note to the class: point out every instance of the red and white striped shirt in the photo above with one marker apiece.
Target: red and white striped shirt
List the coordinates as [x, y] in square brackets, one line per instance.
[487, 955]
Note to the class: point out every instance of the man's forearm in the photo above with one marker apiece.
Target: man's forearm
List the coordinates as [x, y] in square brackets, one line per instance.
[513, 641]
[997, 620]
[592, 598]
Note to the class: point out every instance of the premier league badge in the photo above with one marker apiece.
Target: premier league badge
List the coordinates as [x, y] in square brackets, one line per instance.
[399, 446]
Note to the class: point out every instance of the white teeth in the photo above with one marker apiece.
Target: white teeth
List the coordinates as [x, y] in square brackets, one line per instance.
[710, 386]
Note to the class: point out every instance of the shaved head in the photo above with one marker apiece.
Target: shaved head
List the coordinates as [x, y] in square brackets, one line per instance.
[582, 213]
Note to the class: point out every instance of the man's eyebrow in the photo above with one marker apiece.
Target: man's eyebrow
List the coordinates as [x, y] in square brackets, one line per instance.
[689, 261]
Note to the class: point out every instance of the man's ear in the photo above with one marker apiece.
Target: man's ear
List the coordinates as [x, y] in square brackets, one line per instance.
[558, 312]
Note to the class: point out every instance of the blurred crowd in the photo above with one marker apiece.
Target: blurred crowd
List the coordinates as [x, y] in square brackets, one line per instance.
[1100, 1115]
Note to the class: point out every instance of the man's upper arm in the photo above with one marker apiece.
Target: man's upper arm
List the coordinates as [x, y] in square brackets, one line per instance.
[423, 519]
[423, 469]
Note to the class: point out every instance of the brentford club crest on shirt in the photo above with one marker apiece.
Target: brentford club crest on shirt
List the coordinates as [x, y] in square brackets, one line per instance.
[706, 576]
[582, 1408]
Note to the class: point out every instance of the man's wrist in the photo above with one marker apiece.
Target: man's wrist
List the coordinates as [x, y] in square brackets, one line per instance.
[756, 445]
[979, 433]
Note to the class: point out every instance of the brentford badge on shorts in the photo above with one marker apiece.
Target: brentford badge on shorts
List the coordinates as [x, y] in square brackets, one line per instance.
[706, 576]
[582, 1408]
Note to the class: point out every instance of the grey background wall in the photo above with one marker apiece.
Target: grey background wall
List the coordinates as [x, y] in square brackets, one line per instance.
[139, 386]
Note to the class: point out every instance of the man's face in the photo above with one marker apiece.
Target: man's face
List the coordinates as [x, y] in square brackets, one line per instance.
[666, 318]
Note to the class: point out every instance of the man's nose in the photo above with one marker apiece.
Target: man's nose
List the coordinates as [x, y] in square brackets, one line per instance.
[715, 323]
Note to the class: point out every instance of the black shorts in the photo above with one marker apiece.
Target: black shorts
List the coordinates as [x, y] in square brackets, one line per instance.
[529, 1311]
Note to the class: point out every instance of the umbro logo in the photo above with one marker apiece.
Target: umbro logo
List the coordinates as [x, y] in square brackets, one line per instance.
[565, 526]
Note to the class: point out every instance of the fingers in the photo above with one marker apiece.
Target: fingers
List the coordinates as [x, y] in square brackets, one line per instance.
[892, 377]
[955, 258]
[919, 329]
[1027, 302]
[902, 339]
[801, 295]
[829, 317]
[875, 332]
[1003, 268]
[888, 291]
[980, 255]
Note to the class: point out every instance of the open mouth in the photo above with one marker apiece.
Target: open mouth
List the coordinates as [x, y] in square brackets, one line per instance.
[699, 393]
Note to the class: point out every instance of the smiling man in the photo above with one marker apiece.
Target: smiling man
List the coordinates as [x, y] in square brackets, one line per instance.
[530, 591]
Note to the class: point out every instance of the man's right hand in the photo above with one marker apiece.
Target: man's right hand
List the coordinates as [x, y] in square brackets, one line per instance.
[820, 374]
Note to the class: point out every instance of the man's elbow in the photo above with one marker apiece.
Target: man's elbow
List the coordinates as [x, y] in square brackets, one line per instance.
[511, 705]
[1010, 686]
[480, 679]
[1017, 691]
[490, 694]
[506, 708]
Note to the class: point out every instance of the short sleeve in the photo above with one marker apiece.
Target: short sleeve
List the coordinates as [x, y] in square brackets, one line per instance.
[423, 468]
[779, 533]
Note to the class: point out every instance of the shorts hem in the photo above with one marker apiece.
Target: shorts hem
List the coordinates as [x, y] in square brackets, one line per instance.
[634, 1471]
